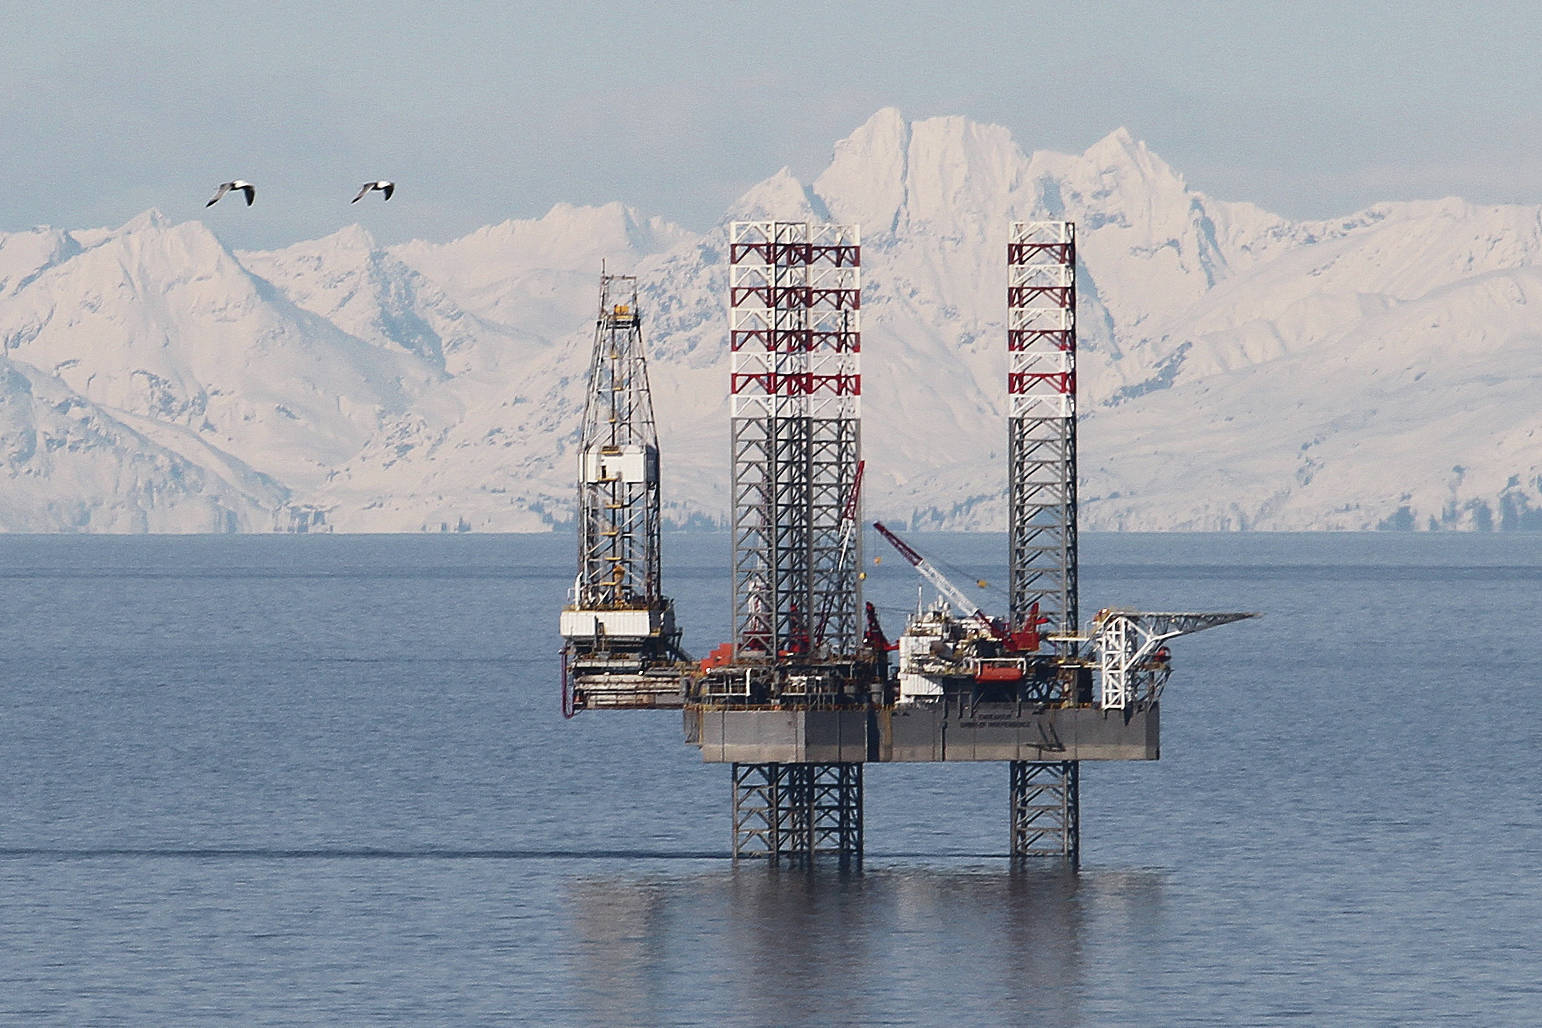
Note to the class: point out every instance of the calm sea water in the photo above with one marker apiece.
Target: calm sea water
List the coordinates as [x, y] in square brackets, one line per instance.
[325, 780]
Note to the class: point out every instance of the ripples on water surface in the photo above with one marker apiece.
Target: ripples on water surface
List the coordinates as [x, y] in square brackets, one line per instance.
[269, 780]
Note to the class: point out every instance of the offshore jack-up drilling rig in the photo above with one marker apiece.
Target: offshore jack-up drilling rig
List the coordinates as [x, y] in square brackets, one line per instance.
[803, 696]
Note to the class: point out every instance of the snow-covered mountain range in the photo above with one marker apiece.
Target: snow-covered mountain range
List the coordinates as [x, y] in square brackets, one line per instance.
[1238, 370]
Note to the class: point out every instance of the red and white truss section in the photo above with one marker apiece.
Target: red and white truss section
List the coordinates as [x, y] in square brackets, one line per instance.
[1041, 319]
[795, 319]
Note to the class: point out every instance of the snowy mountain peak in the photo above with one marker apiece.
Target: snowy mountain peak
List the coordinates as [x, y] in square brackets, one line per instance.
[1120, 152]
[866, 182]
[25, 255]
[880, 138]
[567, 238]
[584, 231]
[781, 198]
[147, 220]
[888, 128]
[898, 176]
[352, 238]
[1119, 142]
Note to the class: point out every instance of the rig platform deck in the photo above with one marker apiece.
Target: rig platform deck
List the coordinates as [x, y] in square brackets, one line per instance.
[931, 733]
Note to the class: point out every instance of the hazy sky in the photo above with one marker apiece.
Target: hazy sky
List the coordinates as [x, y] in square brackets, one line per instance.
[483, 112]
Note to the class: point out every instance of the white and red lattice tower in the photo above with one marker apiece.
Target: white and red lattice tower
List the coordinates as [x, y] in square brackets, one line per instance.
[1041, 501]
[795, 333]
[1041, 387]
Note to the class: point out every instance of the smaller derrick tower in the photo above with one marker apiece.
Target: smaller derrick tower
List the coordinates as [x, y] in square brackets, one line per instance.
[620, 640]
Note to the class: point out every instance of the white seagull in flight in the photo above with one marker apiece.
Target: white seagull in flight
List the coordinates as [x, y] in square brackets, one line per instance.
[385, 187]
[225, 187]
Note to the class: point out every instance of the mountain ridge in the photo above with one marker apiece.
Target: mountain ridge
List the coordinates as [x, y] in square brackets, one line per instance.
[1238, 370]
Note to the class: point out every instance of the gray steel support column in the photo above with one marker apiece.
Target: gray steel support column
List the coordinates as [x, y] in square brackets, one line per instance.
[1042, 530]
[1046, 810]
[797, 813]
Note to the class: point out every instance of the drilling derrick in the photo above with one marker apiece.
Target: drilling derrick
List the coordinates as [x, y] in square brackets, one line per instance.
[620, 639]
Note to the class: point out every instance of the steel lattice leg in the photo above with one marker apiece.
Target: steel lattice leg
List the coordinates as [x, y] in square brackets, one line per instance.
[835, 810]
[756, 801]
[1046, 810]
[797, 813]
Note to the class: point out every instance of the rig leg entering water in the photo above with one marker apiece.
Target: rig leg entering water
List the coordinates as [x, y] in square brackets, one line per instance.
[797, 813]
[1046, 810]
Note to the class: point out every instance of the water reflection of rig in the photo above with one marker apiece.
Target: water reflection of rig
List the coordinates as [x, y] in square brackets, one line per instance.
[810, 689]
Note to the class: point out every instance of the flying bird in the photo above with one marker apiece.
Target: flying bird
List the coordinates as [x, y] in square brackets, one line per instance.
[385, 187]
[225, 187]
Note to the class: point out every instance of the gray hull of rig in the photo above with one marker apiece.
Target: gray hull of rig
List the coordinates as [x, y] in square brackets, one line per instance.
[924, 734]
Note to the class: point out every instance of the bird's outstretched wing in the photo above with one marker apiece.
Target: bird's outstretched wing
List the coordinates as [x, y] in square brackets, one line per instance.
[224, 188]
[388, 189]
[251, 193]
[366, 187]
